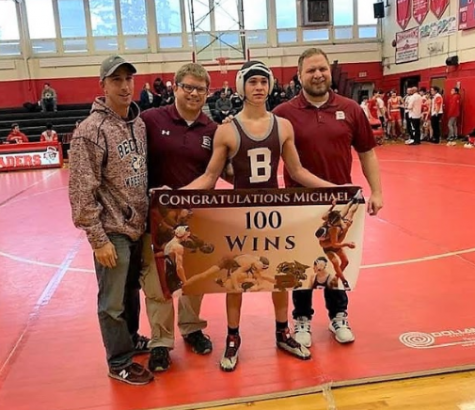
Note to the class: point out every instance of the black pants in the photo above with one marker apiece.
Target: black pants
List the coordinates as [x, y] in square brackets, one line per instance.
[435, 122]
[336, 301]
[409, 127]
[416, 126]
[132, 291]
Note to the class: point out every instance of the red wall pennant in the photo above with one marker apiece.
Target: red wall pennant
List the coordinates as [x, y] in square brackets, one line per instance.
[466, 15]
[420, 8]
[438, 7]
[403, 13]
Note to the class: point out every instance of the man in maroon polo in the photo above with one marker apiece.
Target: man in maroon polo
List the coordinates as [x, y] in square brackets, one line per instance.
[180, 139]
[327, 126]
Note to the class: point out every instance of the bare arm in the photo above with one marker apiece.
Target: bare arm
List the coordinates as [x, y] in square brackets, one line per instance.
[217, 162]
[180, 270]
[292, 161]
[370, 167]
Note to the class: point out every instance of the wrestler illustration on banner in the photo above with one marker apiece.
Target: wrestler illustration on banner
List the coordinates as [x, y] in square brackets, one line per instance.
[243, 273]
[290, 275]
[333, 232]
[322, 278]
[171, 237]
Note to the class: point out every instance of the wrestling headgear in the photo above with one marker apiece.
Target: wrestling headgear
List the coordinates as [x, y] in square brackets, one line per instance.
[250, 69]
[181, 231]
[265, 262]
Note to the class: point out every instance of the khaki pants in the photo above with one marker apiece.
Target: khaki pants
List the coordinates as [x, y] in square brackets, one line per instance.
[160, 311]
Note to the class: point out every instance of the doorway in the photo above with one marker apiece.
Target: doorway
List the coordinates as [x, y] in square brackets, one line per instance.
[438, 82]
[407, 82]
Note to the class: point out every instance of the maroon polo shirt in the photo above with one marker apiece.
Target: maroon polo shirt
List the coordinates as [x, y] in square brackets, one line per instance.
[178, 153]
[324, 136]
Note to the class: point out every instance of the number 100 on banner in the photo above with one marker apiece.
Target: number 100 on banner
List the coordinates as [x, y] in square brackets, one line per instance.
[257, 240]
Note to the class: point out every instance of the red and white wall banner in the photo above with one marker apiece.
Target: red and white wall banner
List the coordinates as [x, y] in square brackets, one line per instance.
[438, 7]
[466, 14]
[407, 46]
[403, 13]
[420, 9]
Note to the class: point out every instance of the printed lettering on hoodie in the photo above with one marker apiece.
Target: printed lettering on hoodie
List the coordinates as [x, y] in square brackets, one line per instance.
[128, 149]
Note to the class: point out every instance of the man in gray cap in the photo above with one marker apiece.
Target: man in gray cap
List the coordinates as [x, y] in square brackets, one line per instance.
[108, 196]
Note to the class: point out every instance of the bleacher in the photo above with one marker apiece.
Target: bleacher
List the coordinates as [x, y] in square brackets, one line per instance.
[34, 123]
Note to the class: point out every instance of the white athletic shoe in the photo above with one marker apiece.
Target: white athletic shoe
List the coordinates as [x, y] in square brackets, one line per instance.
[468, 145]
[340, 327]
[303, 331]
[409, 141]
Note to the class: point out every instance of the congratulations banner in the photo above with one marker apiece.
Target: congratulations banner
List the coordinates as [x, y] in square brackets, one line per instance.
[257, 240]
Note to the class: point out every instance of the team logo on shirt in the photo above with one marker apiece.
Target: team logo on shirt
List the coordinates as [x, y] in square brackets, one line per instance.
[206, 143]
[340, 115]
[137, 162]
[165, 132]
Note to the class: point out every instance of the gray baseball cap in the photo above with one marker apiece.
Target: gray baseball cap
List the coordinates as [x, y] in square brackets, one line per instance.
[110, 64]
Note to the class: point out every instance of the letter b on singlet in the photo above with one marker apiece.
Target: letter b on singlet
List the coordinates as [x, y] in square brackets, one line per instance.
[260, 160]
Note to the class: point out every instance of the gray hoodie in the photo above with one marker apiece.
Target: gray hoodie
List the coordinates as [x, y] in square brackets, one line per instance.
[108, 175]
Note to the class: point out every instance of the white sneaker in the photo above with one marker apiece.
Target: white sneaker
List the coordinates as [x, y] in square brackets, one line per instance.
[303, 331]
[409, 141]
[340, 327]
[468, 145]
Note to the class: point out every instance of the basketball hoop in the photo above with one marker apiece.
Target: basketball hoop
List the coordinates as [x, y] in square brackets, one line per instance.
[223, 64]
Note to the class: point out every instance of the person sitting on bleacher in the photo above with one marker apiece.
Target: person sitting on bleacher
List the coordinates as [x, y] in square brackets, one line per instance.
[223, 108]
[48, 98]
[16, 136]
[49, 135]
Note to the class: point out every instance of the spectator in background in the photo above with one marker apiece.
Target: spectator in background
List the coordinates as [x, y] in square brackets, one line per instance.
[48, 99]
[168, 97]
[227, 89]
[436, 113]
[471, 140]
[49, 135]
[16, 136]
[414, 108]
[364, 106]
[224, 107]
[159, 89]
[381, 108]
[146, 97]
[291, 90]
[236, 102]
[454, 114]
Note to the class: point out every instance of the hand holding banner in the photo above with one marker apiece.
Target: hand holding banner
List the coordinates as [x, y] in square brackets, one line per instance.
[257, 240]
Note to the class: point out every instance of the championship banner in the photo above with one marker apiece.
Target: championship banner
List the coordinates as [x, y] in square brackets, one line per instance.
[442, 28]
[403, 13]
[466, 14]
[420, 9]
[407, 46]
[438, 7]
[234, 241]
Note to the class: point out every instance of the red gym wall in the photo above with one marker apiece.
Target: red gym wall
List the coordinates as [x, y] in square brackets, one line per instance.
[464, 73]
[83, 90]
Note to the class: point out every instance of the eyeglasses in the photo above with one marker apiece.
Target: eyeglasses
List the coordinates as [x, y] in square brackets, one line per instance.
[190, 88]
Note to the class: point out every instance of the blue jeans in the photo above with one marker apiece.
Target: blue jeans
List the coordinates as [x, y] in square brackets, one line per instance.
[118, 301]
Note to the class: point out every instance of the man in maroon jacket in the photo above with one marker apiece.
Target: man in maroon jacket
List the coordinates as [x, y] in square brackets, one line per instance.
[326, 127]
[180, 139]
